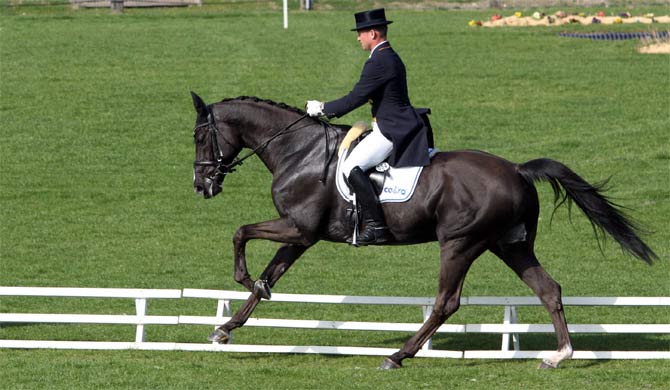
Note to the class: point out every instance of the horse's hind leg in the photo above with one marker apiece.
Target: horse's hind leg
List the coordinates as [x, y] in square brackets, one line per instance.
[283, 259]
[520, 258]
[456, 258]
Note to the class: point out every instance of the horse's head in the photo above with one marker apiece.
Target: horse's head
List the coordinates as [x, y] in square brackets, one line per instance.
[215, 149]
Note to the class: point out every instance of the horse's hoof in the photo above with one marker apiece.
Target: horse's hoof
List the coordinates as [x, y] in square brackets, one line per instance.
[219, 336]
[389, 364]
[262, 289]
[546, 365]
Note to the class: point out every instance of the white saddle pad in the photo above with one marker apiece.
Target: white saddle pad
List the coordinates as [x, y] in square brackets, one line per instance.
[399, 185]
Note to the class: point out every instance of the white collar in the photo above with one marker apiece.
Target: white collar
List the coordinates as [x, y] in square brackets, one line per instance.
[375, 48]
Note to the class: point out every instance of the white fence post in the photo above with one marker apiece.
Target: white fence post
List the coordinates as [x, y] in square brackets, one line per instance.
[427, 310]
[141, 310]
[223, 309]
[510, 317]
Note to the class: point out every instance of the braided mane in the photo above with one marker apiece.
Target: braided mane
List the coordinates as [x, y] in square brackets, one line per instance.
[266, 101]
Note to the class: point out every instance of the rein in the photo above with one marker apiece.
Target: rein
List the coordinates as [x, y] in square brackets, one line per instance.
[224, 169]
[265, 144]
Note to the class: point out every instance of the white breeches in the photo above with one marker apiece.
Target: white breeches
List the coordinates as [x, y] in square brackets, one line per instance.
[368, 153]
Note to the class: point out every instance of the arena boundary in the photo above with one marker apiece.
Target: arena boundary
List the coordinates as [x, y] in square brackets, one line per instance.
[133, 3]
[509, 329]
[616, 36]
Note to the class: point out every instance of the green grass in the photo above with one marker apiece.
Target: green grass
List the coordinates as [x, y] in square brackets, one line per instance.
[188, 371]
[96, 167]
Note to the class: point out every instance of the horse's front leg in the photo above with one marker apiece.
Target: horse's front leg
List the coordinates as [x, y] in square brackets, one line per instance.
[283, 259]
[280, 230]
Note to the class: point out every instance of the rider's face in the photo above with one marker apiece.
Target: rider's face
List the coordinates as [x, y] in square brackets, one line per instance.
[365, 37]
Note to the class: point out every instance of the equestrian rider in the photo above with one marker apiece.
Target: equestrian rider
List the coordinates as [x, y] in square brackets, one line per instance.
[398, 133]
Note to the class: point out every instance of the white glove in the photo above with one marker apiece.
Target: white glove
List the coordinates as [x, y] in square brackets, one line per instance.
[314, 108]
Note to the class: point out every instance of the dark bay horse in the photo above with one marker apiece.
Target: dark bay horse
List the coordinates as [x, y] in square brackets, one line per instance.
[469, 201]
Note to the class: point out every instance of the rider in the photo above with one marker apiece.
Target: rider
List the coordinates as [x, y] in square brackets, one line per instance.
[397, 130]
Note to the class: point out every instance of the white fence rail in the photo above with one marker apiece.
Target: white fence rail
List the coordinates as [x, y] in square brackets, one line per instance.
[140, 296]
[509, 329]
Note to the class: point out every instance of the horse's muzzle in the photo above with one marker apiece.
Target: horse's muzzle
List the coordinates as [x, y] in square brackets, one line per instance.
[209, 188]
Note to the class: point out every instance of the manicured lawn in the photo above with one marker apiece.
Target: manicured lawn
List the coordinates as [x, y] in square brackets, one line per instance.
[96, 168]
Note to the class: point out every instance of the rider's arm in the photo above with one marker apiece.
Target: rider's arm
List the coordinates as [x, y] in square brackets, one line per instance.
[373, 76]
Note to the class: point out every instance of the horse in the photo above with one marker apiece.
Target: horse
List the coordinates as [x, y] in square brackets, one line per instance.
[469, 201]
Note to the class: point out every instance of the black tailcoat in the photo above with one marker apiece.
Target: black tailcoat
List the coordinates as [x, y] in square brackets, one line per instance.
[383, 82]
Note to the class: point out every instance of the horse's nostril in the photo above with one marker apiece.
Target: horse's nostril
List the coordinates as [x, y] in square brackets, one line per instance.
[199, 189]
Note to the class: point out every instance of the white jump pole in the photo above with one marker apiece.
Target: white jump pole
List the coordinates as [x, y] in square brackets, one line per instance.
[285, 14]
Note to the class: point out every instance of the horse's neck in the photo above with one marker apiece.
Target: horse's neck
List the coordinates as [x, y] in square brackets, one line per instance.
[255, 126]
[261, 122]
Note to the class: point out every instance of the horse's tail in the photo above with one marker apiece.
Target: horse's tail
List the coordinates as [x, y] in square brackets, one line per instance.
[605, 216]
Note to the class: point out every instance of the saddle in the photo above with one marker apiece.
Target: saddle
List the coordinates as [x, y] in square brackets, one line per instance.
[360, 130]
[390, 184]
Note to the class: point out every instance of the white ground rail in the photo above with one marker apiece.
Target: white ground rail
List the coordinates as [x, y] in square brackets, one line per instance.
[509, 328]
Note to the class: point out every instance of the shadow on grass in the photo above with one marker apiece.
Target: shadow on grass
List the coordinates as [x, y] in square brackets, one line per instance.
[537, 342]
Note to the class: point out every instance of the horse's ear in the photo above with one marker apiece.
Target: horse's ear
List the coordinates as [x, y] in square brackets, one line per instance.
[199, 105]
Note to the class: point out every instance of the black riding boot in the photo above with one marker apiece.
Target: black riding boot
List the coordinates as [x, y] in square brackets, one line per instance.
[374, 228]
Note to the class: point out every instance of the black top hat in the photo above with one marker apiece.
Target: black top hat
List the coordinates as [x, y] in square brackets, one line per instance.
[371, 18]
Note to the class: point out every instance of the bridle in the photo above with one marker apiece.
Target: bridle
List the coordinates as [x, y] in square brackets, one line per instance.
[223, 169]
